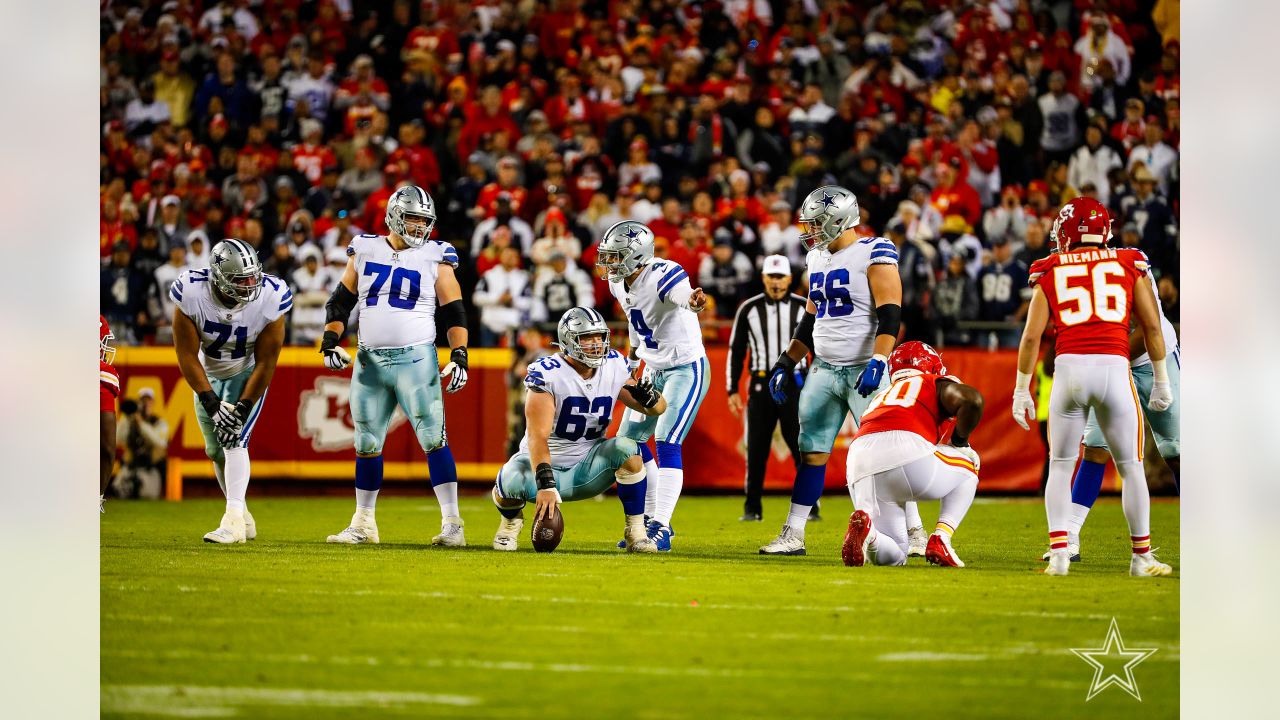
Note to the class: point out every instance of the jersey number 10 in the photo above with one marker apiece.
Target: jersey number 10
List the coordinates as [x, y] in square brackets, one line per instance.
[1104, 300]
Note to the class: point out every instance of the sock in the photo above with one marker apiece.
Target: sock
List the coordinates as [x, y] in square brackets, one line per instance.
[913, 515]
[631, 491]
[1087, 484]
[1079, 513]
[444, 480]
[1141, 544]
[884, 551]
[1057, 539]
[955, 505]
[804, 493]
[1057, 496]
[944, 531]
[651, 477]
[670, 481]
[237, 477]
[368, 481]
[1136, 500]
[220, 472]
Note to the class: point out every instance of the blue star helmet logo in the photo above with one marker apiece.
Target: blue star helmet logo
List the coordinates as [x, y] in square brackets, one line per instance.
[219, 258]
[632, 233]
[827, 200]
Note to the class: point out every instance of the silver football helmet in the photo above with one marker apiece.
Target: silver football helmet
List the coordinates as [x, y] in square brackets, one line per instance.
[408, 202]
[825, 214]
[625, 248]
[574, 325]
[236, 270]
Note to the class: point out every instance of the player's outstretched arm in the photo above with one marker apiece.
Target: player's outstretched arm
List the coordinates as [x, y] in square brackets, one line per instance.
[186, 342]
[336, 312]
[455, 319]
[1024, 408]
[1144, 305]
[643, 397]
[539, 413]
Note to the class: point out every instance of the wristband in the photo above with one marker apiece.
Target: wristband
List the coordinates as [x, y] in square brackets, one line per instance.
[785, 362]
[209, 399]
[459, 357]
[1160, 371]
[329, 341]
[1023, 383]
[546, 477]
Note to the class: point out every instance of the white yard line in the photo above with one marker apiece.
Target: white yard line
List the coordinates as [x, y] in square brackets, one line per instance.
[209, 701]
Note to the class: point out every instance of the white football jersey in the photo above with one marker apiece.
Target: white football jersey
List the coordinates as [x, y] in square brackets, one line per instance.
[844, 331]
[396, 290]
[663, 332]
[1166, 327]
[584, 406]
[227, 335]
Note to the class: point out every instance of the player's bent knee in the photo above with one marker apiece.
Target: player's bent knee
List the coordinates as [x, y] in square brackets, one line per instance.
[813, 458]
[367, 444]
[1096, 455]
[620, 449]
[634, 464]
[505, 503]
[213, 451]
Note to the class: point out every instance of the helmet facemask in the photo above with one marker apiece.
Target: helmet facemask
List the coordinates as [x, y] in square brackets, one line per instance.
[612, 263]
[107, 348]
[588, 348]
[414, 228]
[817, 233]
[236, 272]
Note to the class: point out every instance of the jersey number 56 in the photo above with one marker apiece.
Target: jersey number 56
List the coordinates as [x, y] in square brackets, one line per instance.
[1104, 300]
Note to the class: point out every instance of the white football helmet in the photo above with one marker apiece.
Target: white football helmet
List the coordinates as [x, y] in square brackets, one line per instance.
[574, 324]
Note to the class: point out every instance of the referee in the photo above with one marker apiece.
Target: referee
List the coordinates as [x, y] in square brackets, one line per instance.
[764, 325]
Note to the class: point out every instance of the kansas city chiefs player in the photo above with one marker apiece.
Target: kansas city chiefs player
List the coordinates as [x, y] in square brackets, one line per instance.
[1089, 291]
[895, 459]
[108, 391]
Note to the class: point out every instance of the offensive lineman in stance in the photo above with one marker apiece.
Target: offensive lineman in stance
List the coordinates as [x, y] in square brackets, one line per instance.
[396, 281]
[851, 323]
[228, 328]
[564, 455]
[1089, 292]
[898, 453]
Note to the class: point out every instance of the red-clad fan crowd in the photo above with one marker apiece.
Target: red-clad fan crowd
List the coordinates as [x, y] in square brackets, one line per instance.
[961, 125]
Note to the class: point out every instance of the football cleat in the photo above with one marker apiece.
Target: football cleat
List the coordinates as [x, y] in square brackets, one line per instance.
[230, 530]
[638, 540]
[508, 533]
[916, 542]
[362, 530]
[450, 533]
[622, 544]
[939, 552]
[1059, 562]
[250, 527]
[853, 551]
[789, 542]
[660, 535]
[751, 517]
[1147, 565]
[1072, 548]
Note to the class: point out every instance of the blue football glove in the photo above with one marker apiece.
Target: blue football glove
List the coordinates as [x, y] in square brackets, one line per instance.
[780, 379]
[871, 375]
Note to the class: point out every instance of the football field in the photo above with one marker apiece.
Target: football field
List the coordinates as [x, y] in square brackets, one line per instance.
[287, 626]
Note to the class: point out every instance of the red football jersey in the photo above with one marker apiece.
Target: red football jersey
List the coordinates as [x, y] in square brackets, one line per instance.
[910, 404]
[1090, 294]
[109, 387]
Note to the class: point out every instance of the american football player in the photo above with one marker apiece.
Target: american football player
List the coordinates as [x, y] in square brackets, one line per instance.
[228, 328]
[1090, 292]
[396, 281]
[662, 314]
[564, 455]
[896, 454]
[108, 391]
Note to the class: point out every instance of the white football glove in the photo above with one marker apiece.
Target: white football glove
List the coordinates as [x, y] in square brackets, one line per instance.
[1161, 396]
[1024, 408]
[227, 438]
[968, 453]
[229, 418]
[456, 370]
[337, 358]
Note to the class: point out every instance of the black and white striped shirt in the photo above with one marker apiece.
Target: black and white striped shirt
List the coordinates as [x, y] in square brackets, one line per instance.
[764, 327]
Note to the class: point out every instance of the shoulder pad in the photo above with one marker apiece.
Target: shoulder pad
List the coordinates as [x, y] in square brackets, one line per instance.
[882, 250]
[1040, 267]
[444, 252]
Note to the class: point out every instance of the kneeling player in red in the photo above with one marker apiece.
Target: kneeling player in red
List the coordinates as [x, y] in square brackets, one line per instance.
[895, 459]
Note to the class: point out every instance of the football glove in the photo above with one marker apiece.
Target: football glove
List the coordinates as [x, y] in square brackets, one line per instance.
[967, 453]
[644, 393]
[210, 401]
[230, 418]
[456, 370]
[781, 379]
[335, 358]
[1024, 408]
[227, 438]
[1161, 396]
[871, 375]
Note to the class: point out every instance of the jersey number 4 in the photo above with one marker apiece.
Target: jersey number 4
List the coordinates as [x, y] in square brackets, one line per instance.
[398, 297]
[584, 419]
[642, 329]
[829, 292]
[1078, 303]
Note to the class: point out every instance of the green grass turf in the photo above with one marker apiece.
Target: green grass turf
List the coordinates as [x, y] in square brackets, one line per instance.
[287, 626]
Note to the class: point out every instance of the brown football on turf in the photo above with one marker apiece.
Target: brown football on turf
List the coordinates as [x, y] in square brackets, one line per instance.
[547, 532]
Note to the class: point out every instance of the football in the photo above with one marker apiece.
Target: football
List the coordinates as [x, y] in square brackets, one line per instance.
[547, 532]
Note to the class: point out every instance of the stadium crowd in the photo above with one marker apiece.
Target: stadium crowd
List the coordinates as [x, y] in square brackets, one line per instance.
[961, 125]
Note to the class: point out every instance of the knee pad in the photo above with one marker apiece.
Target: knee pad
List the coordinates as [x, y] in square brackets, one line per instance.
[367, 443]
[622, 449]
[430, 441]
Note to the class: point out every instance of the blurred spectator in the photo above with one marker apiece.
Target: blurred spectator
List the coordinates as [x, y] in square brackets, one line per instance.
[312, 89]
[198, 249]
[1100, 44]
[780, 234]
[1168, 290]
[638, 169]
[559, 286]
[282, 262]
[361, 180]
[1003, 294]
[725, 274]
[1154, 153]
[1148, 210]
[171, 226]
[174, 88]
[145, 113]
[916, 268]
[504, 296]
[1037, 246]
[1006, 222]
[954, 195]
[311, 284]
[521, 233]
[955, 298]
[145, 438]
[1091, 163]
[958, 239]
[124, 295]
[164, 277]
[556, 238]
[1062, 117]
[224, 90]
[1060, 190]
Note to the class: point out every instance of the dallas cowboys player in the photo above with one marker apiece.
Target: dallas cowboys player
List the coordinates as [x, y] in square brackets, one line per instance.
[564, 455]
[661, 310]
[228, 327]
[396, 281]
[851, 323]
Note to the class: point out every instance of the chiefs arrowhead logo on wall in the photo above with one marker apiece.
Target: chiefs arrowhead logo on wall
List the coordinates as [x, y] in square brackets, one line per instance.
[324, 415]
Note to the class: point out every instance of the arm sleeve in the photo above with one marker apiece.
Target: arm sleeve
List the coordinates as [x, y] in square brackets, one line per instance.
[737, 348]
[586, 294]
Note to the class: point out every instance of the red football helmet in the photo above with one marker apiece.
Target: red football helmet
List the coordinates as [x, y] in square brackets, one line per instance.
[915, 355]
[107, 350]
[1081, 221]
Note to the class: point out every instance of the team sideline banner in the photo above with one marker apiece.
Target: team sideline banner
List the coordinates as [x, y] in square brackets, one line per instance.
[305, 430]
